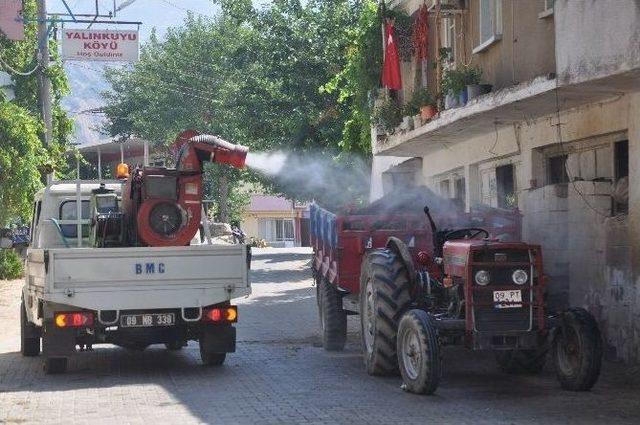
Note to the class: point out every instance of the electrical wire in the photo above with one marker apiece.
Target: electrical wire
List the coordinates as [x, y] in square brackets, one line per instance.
[566, 154]
[15, 71]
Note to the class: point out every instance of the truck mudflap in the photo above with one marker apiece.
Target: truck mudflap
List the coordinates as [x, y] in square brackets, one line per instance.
[57, 342]
[218, 338]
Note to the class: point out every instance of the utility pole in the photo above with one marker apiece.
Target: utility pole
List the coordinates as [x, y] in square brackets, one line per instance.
[44, 84]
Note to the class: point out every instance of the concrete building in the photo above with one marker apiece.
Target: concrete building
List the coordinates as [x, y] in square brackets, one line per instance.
[104, 156]
[279, 221]
[558, 138]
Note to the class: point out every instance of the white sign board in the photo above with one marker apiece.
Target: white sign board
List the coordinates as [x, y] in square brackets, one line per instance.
[100, 45]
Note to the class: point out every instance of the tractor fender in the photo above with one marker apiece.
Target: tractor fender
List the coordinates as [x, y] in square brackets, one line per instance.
[400, 248]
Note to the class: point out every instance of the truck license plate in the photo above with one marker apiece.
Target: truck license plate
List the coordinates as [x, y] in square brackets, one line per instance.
[513, 297]
[147, 320]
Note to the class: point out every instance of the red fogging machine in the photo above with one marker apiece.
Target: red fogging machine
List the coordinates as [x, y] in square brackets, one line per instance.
[163, 206]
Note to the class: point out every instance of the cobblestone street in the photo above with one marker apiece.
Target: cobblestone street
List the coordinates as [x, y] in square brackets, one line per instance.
[280, 374]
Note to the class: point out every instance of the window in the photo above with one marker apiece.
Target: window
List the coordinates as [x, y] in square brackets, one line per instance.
[444, 188]
[449, 37]
[460, 191]
[506, 186]
[548, 9]
[68, 217]
[277, 229]
[490, 22]
[620, 191]
[557, 170]
[36, 217]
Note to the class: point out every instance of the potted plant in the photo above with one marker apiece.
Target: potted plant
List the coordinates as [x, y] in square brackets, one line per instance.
[452, 87]
[472, 76]
[387, 116]
[423, 102]
[408, 111]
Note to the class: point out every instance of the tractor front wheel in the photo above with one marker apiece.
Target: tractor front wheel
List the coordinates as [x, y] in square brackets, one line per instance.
[419, 352]
[577, 350]
[384, 296]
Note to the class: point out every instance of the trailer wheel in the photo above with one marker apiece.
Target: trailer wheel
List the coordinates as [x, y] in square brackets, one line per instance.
[577, 350]
[384, 296]
[55, 365]
[29, 345]
[521, 361]
[419, 352]
[333, 319]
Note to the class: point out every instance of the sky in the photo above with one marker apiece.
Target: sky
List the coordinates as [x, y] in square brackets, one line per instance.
[160, 14]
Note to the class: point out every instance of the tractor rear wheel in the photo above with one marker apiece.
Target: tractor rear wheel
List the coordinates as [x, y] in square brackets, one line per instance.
[384, 296]
[577, 350]
[419, 352]
[521, 361]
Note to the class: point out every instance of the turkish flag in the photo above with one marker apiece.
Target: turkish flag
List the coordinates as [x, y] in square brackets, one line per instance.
[391, 77]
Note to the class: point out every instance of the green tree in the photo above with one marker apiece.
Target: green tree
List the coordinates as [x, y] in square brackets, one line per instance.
[251, 76]
[23, 157]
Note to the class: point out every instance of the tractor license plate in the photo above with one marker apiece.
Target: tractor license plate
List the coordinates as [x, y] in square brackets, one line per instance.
[147, 320]
[507, 299]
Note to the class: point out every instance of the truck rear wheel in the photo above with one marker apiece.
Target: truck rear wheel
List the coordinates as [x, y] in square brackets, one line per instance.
[384, 295]
[419, 352]
[577, 350]
[212, 359]
[333, 319]
[29, 345]
[55, 365]
[521, 361]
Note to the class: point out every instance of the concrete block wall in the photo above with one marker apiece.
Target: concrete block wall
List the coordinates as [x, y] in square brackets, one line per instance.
[546, 223]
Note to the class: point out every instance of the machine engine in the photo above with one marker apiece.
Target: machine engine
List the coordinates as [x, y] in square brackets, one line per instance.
[163, 206]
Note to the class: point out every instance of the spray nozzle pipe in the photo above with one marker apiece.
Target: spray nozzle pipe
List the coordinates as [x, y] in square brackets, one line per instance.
[194, 148]
[222, 151]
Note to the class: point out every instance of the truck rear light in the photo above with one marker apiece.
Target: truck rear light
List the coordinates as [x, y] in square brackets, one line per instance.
[81, 319]
[221, 314]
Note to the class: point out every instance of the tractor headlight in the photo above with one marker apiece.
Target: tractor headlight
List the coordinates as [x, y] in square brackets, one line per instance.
[482, 277]
[520, 277]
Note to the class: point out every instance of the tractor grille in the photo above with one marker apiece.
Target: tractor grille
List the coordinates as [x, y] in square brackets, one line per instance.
[488, 318]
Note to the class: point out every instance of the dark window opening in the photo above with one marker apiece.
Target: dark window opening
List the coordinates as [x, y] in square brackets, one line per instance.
[506, 186]
[460, 192]
[557, 170]
[444, 189]
[620, 193]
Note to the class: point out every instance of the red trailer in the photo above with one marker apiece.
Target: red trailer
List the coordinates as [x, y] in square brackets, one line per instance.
[466, 280]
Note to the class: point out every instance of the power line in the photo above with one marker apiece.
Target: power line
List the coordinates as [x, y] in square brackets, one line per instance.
[15, 71]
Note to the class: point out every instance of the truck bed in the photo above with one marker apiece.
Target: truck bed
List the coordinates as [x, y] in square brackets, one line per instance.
[140, 277]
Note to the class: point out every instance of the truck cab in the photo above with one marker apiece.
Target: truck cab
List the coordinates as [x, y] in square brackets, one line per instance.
[79, 292]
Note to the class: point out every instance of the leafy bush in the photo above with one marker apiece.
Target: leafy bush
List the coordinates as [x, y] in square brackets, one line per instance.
[421, 98]
[387, 115]
[10, 264]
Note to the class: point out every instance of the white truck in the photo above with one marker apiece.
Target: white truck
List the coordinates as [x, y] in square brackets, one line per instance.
[78, 295]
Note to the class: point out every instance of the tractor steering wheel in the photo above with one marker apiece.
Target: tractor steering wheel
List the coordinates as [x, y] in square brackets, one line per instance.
[466, 233]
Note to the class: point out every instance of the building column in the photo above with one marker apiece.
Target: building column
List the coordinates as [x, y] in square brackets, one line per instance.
[471, 186]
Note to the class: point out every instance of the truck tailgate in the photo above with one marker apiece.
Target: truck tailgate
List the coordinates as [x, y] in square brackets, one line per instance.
[144, 277]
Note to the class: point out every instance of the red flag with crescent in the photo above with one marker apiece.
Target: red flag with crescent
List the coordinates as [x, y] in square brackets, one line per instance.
[391, 77]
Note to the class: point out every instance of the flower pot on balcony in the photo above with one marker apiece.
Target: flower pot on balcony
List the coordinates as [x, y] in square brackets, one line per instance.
[407, 123]
[451, 101]
[473, 91]
[417, 121]
[462, 97]
[427, 112]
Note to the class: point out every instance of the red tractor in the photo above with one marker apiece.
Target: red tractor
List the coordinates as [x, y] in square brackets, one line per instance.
[417, 288]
